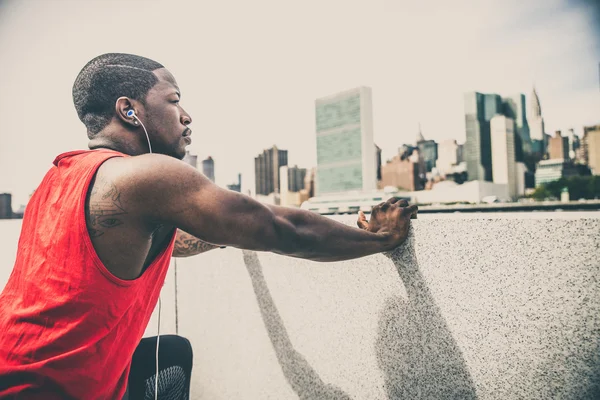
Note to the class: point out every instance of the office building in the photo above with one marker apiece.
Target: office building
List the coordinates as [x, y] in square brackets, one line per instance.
[295, 178]
[309, 183]
[558, 147]
[292, 185]
[5, 206]
[190, 159]
[536, 126]
[504, 170]
[208, 168]
[447, 156]
[403, 172]
[554, 169]
[266, 170]
[522, 176]
[479, 110]
[591, 148]
[345, 148]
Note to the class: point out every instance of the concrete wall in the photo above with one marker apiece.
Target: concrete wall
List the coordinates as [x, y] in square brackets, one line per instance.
[473, 308]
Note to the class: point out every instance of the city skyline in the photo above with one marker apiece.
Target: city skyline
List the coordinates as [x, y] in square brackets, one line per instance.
[258, 89]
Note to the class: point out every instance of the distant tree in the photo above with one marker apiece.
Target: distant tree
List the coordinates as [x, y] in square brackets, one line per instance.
[594, 187]
[580, 187]
[541, 193]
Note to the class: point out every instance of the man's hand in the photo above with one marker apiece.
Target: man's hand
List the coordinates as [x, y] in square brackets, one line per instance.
[390, 218]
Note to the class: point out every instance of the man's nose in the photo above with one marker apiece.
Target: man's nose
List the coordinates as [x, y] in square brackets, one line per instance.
[186, 119]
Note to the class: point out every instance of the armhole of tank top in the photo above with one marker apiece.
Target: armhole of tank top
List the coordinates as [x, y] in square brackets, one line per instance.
[86, 236]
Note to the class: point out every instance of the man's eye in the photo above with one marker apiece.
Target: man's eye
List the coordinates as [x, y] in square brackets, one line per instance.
[175, 101]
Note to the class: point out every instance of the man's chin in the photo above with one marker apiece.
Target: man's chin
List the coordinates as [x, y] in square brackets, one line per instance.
[179, 154]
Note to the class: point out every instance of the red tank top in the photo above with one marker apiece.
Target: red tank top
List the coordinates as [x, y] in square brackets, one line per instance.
[68, 327]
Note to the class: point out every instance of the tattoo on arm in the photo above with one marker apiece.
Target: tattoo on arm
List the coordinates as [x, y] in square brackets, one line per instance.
[188, 245]
[105, 210]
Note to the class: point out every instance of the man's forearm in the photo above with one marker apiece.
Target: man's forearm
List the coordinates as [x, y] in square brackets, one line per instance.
[187, 245]
[308, 235]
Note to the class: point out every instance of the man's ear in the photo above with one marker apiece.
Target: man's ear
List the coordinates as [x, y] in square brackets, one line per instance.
[122, 106]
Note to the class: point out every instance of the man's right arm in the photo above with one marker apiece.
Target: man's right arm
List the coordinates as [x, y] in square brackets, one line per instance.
[167, 191]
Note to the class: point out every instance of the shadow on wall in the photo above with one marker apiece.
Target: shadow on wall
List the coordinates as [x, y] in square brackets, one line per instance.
[415, 348]
[303, 379]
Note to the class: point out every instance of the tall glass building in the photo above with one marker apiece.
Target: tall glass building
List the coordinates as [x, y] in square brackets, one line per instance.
[479, 110]
[345, 156]
[515, 108]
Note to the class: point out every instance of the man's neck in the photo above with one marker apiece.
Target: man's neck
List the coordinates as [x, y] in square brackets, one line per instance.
[103, 142]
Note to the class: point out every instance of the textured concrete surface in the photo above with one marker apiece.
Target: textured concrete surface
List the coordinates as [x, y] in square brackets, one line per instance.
[473, 308]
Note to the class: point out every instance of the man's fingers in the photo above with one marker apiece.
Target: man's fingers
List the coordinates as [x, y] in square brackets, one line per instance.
[410, 210]
[403, 203]
[362, 220]
[378, 207]
[392, 200]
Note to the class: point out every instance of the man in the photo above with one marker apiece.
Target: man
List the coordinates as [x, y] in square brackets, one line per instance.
[99, 232]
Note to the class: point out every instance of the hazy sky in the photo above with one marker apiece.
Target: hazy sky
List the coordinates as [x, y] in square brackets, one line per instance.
[250, 70]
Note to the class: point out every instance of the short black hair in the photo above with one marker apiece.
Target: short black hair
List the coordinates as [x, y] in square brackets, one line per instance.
[106, 78]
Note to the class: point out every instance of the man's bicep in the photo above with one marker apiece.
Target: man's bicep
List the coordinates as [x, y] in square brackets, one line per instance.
[171, 192]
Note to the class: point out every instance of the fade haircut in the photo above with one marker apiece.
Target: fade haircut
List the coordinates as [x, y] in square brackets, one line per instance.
[106, 78]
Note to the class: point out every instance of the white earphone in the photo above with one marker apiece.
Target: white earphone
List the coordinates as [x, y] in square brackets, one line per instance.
[131, 113]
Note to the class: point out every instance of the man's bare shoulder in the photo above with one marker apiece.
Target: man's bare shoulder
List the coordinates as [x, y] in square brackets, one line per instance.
[155, 185]
[149, 172]
[145, 166]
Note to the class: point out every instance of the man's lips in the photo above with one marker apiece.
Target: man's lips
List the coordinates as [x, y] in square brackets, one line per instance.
[187, 132]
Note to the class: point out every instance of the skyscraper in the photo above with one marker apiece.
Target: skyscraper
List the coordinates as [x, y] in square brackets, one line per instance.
[428, 150]
[345, 148]
[208, 168]
[515, 108]
[266, 170]
[536, 126]
[479, 110]
[504, 169]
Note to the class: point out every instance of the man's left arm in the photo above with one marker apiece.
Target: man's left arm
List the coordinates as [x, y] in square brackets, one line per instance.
[187, 245]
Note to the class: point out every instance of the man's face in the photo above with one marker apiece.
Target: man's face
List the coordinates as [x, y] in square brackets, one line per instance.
[165, 119]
